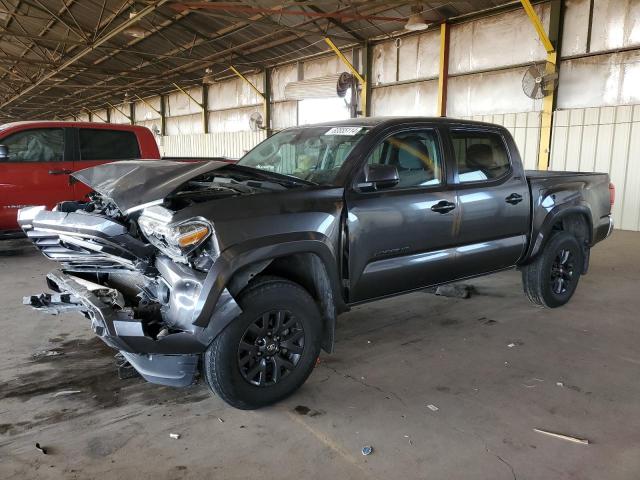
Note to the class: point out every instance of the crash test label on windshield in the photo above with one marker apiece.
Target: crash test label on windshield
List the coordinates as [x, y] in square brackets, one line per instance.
[343, 131]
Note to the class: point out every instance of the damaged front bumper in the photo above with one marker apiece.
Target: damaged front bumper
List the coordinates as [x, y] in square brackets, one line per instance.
[144, 307]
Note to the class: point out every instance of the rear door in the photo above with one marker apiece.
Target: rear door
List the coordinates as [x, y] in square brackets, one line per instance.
[97, 146]
[36, 171]
[399, 237]
[493, 200]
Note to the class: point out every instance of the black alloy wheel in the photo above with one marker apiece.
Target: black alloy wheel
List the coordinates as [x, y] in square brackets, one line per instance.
[270, 348]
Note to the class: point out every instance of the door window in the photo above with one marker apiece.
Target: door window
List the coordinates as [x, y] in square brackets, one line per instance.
[480, 156]
[416, 155]
[42, 145]
[97, 144]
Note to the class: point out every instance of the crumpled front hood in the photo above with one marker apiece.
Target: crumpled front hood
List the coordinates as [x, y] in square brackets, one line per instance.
[132, 184]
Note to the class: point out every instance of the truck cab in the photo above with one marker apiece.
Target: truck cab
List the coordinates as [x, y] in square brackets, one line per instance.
[37, 158]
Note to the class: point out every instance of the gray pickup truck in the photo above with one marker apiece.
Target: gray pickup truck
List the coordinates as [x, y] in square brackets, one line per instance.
[237, 272]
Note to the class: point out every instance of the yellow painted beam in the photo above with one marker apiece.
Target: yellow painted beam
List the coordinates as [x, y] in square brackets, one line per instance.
[544, 150]
[253, 87]
[443, 73]
[537, 24]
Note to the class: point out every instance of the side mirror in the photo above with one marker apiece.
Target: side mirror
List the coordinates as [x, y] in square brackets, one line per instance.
[379, 176]
[4, 152]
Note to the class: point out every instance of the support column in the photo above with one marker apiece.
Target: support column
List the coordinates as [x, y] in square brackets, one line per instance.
[551, 43]
[443, 73]
[266, 95]
[205, 101]
[367, 57]
[163, 116]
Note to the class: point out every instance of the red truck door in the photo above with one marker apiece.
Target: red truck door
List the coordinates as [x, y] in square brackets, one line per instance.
[36, 171]
[97, 146]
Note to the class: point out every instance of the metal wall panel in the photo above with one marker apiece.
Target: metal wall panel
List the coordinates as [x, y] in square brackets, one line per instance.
[144, 111]
[496, 41]
[227, 144]
[575, 27]
[525, 129]
[284, 115]
[235, 92]
[419, 98]
[489, 93]
[608, 79]
[232, 120]
[419, 56]
[616, 24]
[324, 66]
[384, 66]
[184, 124]
[280, 76]
[605, 139]
[179, 104]
[117, 115]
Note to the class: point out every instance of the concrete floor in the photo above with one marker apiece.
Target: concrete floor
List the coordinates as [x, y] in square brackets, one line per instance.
[393, 359]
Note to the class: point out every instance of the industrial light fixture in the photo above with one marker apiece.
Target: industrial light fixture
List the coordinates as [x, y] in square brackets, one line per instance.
[416, 20]
[208, 78]
[134, 30]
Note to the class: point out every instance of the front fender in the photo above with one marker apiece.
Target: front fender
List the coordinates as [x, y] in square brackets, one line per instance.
[267, 248]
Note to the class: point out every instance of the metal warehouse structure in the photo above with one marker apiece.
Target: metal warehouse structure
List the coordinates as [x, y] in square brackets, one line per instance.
[198, 72]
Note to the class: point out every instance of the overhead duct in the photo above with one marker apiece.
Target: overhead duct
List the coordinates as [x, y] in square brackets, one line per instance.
[320, 87]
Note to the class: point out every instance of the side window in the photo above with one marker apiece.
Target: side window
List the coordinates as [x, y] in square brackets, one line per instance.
[416, 155]
[97, 144]
[41, 145]
[479, 155]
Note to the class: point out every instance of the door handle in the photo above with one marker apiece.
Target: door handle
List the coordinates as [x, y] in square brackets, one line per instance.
[513, 199]
[443, 206]
[60, 172]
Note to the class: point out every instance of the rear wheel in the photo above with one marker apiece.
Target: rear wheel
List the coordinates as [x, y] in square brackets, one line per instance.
[268, 351]
[551, 279]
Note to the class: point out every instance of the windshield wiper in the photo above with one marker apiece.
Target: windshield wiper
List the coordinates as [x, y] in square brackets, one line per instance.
[273, 176]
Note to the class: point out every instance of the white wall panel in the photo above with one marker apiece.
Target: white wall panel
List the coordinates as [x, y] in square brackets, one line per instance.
[100, 116]
[184, 124]
[610, 79]
[605, 139]
[284, 115]
[233, 120]
[419, 56]
[575, 27]
[496, 41]
[231, 145]
[280, 76]
[419, 98]
[118, 114]
[384, 63]
[146, 112]
[83, 117]
[179, 104]
[235, 92]
[324, 66]
[616, 24]
[488, 93]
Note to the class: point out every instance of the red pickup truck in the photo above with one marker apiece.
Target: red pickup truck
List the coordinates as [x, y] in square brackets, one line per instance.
[37, 157]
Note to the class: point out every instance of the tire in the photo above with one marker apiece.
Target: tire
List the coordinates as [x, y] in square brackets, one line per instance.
[551, 279]
[280, 329]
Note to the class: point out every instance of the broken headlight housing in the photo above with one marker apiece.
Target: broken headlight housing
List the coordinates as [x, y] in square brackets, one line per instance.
[176, 239]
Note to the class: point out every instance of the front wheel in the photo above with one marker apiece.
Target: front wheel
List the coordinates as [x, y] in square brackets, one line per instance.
[268, 351]
[551, 279]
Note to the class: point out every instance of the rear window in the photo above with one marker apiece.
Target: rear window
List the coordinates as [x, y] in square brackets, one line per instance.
[480, 156]
[96, 144]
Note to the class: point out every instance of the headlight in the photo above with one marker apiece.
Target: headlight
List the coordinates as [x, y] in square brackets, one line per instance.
[175, 239]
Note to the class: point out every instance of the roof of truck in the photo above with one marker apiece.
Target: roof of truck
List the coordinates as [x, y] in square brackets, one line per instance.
[377, 121]
[58, 123]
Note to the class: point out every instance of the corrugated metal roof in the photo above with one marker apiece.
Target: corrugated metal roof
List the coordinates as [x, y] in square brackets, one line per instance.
[178, 40]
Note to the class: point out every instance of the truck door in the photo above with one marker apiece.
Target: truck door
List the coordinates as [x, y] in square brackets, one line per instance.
[101, 145]
[399, 236]
[36, 172]
[493, 200]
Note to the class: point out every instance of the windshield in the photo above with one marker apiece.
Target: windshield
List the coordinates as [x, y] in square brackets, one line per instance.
[314, 154]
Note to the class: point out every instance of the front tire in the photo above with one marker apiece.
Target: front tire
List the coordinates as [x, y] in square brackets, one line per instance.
[551, 279]
[268, 351]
